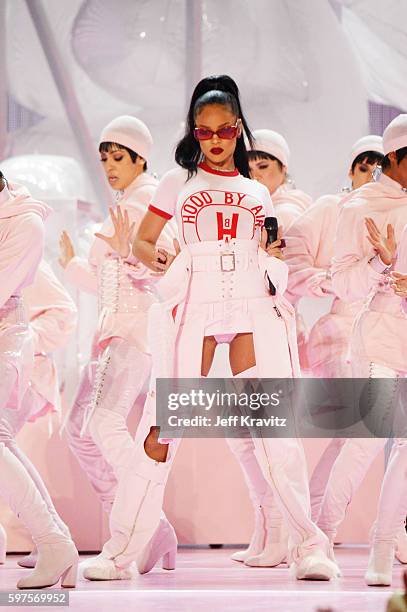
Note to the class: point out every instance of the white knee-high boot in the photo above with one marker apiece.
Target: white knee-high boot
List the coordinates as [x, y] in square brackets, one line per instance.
[136, 513]
[392, 511]
[12, 421]
[3, 544]
[30, 560]
[268, 545]
[347, 473]
[401, 538]
[57, 554]
[320, 475]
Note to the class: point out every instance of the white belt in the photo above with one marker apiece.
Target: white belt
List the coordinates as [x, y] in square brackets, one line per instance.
[225, 262]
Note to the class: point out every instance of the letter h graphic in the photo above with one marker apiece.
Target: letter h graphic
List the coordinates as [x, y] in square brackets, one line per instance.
[227, 227]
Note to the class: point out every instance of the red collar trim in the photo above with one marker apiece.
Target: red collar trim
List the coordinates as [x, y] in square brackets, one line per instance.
[207, 168]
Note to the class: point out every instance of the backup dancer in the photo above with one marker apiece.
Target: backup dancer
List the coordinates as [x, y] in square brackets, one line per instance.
[52, 318]
[21, 244]
[96, 428]
[217, 290]
[269, 164]
[392, 507]
[360, 270]
[309, 252]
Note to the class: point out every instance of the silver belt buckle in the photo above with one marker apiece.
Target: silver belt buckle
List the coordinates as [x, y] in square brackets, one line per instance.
[227, 262]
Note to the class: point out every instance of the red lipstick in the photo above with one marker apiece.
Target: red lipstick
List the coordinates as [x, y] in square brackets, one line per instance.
[216, 150]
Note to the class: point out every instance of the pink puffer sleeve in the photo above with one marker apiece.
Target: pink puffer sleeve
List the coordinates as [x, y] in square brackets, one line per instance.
[353, 276]
[51, 311]
[20, 254]
[308, 276]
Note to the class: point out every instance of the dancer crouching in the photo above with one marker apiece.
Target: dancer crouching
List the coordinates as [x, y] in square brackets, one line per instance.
[218, 284]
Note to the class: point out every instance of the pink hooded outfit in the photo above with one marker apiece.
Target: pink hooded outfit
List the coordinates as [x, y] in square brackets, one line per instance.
[218, 286]
[120, 363]
[392, 507]
[289, 204]
[378, 342]
[21, 245]
[52, 317]
[21, 239]
[309, 253]
[52, 314]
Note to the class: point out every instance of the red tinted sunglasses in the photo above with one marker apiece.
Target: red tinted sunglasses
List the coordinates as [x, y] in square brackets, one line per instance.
[225, 133]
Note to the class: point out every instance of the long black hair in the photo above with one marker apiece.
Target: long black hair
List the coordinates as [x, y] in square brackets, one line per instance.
[218, 89]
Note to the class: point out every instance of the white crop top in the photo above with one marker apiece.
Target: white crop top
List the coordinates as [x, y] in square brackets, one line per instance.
[212, 205]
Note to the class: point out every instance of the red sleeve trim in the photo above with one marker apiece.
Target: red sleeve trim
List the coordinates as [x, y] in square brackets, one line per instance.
[159, 212]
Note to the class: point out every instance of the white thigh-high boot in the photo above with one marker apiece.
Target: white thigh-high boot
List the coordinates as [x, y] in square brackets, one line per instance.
[57, 554]
[284, 464]
[284, 467]
[268, 545]
[137, 532]
[11, 422]
[391, 515]
[122, 373]
[320, 475]
[88, 454]
[356, 455]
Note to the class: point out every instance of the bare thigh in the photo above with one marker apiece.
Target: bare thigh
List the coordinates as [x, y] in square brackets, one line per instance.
[241, 353]
[154, 449]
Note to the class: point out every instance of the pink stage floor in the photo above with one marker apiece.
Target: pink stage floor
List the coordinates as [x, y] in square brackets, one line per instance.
[207, 581]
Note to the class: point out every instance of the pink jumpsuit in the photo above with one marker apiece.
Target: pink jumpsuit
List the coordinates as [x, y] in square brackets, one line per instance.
[120, 362]
[219, 217]
[309, 252]
[379, 340]
[21, 240]
[392, 507]
[289, 204]
[21, 245]
[52, 317]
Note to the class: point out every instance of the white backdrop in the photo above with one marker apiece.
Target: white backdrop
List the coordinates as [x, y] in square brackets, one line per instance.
[293, 61]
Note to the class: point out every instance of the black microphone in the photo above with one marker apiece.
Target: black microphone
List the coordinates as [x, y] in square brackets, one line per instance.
[271, 227]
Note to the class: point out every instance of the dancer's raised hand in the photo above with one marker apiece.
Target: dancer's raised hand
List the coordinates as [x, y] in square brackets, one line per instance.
[67, 252]
[385, 246]
[120, 241]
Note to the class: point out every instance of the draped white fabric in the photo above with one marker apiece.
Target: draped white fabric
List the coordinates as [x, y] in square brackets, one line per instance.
[377, 32]
[291, 59]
